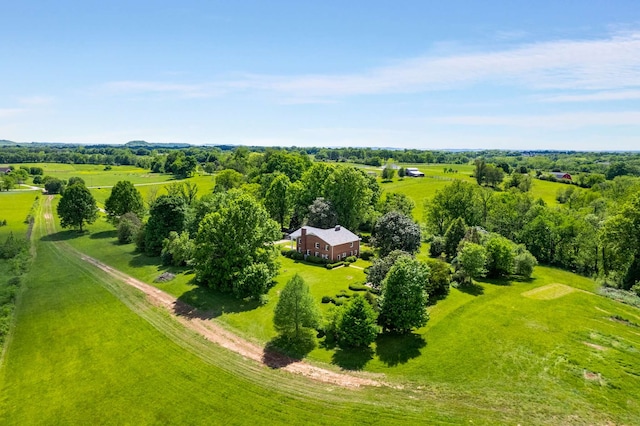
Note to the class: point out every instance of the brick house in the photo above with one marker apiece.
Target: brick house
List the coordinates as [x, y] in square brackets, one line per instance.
[334, 243]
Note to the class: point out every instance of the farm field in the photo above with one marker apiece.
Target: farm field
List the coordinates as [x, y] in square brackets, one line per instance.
[96, 175]
[14, 207]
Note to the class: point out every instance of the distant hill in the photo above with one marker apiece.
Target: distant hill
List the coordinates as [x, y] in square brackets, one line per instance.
[6, 142]
[145, 144]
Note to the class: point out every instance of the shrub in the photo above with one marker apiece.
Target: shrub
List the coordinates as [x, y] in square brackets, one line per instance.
[358, 287]
[357, 326]
[37, 180]
[177, 249]
[334, 265]
[351, 259]
[366, 254]
[288, 252]
[439, 278]
[128, 227]
[437, 246]
[636, 288]
[524, 263]
[338, 302]
[326, 299]
[315, 259]
[297, 256]
[139, 238]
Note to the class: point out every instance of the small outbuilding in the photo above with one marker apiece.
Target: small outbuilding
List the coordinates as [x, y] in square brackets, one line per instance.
[413, 172]
[334, 244]
[5, 170]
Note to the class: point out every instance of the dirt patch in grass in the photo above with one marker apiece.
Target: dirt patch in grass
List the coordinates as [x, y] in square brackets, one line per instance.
[549, 292]
[594, 346]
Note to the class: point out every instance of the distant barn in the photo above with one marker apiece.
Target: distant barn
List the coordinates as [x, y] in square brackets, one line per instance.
[4, 170]
[561, 175]
[413, 172]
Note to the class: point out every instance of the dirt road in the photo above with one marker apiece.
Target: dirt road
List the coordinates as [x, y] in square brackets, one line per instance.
[202, 323]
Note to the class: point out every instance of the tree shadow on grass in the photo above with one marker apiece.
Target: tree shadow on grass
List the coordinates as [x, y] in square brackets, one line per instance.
[501, 281]
[393, 349]
[104, 234]
[352, 358]
[286, 349]
[212, 303]
[472, 289]
[63, 235]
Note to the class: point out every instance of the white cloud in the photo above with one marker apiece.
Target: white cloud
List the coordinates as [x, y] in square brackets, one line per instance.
[605, 64]
[558, 121]
[36, 100]
[10, 112]
[622, 95]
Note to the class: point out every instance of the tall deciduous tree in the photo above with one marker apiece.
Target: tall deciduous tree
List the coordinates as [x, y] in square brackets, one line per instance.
[296, 308]
[455, 233]
[403, 302]
[396, 201]
[277, 199]
[349, 192]
[168, 213]
[234, 247]
[471, 261]
[378, 271]
[395, 231]
[228, 179]
[124, 198]
[322, 214]
[459, 199]
[77, 207]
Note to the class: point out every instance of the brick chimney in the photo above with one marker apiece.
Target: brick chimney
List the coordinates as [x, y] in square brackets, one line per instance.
[337, 227]
[303, 232]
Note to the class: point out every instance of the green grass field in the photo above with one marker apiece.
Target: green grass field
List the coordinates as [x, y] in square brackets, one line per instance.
[529, 353]
[14, 207]
[544, 351]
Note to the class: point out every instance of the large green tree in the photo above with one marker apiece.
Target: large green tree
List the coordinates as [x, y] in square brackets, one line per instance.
[471, 261]
[403, 302]
[621, 234]
[167, 213]
[77, 207]
[278, 200]
[124, 198]
[349, 192]
[395, 231]
[296, 308]
[457, 200]
[234, 247]
[322, 214]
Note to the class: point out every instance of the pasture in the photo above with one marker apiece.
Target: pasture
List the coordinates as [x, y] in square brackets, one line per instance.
[14, 208]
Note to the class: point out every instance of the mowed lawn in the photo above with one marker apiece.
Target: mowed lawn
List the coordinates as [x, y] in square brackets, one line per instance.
[555, 353]
[86, 350]
[14, 207]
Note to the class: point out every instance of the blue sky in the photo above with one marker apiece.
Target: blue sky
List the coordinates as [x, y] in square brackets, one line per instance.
[407, 74]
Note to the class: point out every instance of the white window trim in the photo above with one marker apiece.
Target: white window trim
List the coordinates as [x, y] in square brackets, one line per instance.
[317, 245]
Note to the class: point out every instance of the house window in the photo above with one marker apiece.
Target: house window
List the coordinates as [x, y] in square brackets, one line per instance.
[326, 247]
[299, 250]
[317, 254]
[299, 240]
[351, 244]
[344, 254]
[338, 257]
[317, 245]
[355, 252]
[308, 252]
[351, 253]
